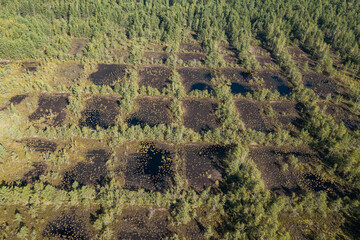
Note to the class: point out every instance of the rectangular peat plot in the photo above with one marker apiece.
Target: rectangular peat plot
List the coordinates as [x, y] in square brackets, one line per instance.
[143, 223]
[147, 165]
[287, 115]
[100, 111]
[41, 145]
[51, 109]
[190, 57]
[283, 173]
[150, 111]
[199, 114]
[341, 114]
[190, 47]
[91, 172]
[322, 85]
[108, 74]
[275, 81]
[72, 223]
[203, 164]
[156, 57]
[238, 79]
[155, 77]
[250, 113]
[196, 79]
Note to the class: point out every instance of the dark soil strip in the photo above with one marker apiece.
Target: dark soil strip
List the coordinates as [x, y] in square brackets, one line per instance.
[108, 74]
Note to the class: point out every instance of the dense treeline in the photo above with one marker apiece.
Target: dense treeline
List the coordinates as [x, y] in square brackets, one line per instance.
[33, 28]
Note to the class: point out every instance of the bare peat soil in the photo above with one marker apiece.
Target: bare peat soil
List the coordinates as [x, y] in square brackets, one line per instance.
[203, 164]
[263, 57]
[143, 223]
[250, 114]
[15, 100]
[51, 109]
[188, 57]
[199, 114]
[91, 172]
[322, 85]
[196, 79]
[287, 180]
[275, 80]
[30, 66]
[108, 74]
[239, 80]
[288, 115]
[300, 57]
[155, 77]
[34, 174]
[229, 54]
[150, 111]
[150, 166]
[100, 111]
[190, 47]
[68, 225]
[41, 145]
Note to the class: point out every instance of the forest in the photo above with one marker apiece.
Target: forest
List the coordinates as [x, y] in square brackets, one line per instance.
[188, 119]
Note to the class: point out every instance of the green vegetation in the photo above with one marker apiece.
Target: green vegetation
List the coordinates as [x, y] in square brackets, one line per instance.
[179, 119]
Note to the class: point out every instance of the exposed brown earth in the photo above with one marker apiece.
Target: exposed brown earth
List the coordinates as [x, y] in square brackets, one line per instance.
[239, 80]
[203, 164]
[188, 57]
[108, 74]
[143, 223]
[250, 114]
[196, 78]
[100, 111]
[155, 77]
[285, 181]
[190, 47]
[51, 109]
[275, 80]
[288, 115]
[149, 166]
[150, 111]
[68, 225]
[322, 85]
[41, 145]
[199, 114]
[91, 172]
[31, 66]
